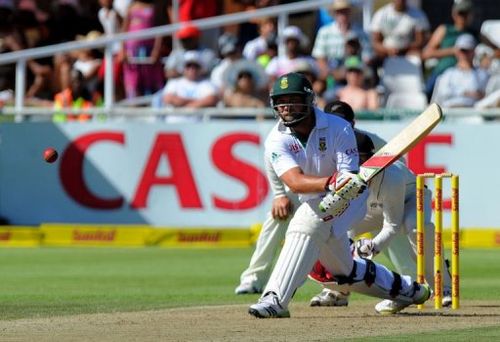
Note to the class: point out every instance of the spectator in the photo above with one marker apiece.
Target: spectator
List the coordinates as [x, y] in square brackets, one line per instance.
[311, 73]
[31, 5]
[250, 30]
[190, 10]
[295, 42]
[258, 46]
[192, 90]
[66, 21]
[329, 46]
[10, 41]
[230, 53]
[354, 92]
[398, 29]
[142, 70]
[247, 84]
[189, 36]
[77, 97]
[35, 33]
[442, 42]
[66, 14]
[461, 85]
[271, 51]
[88, 62]
[121, 6]
[111, 22]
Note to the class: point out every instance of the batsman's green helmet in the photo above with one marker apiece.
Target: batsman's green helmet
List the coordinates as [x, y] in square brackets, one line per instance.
[293, 83]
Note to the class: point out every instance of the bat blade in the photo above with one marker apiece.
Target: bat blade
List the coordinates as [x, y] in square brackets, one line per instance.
[402, 142]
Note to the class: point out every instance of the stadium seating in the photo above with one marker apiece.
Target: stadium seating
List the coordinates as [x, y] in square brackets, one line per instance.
[402, 74]
[407, 100]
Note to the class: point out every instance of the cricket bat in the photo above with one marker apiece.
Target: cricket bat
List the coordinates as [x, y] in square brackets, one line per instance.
[402, 142]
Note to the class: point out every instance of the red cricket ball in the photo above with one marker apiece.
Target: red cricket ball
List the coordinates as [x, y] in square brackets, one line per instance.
[50, 155]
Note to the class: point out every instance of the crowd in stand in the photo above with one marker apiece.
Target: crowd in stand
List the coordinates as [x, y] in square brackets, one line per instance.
[399, 62]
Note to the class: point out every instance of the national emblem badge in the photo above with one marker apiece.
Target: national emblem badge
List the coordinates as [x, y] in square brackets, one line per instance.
[284, 83]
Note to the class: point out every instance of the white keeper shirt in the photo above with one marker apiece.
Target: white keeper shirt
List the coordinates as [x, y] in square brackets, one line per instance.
[331, 147]
[389, 191]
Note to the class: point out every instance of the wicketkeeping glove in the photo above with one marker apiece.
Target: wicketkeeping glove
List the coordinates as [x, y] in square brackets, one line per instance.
[343, 187]
[364, 248]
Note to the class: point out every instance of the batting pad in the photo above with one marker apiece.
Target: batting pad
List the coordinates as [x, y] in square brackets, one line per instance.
[295, 261]
[381, 288]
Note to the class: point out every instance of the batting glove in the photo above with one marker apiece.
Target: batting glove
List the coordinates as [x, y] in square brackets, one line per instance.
[343, 187]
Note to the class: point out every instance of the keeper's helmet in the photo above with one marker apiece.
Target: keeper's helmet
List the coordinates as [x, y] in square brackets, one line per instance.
[293, 83]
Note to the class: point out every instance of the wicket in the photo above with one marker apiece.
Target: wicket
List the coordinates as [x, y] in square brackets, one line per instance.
[438, 232]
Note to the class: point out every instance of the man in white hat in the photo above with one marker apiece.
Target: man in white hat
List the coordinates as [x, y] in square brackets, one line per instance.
[462, 85]
[192, 90]
[296, 42]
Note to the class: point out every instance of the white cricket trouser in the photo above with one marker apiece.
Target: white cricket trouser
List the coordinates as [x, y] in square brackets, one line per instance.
[268, 243]
[310, 238]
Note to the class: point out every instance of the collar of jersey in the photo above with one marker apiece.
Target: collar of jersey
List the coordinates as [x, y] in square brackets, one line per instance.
[321, 122]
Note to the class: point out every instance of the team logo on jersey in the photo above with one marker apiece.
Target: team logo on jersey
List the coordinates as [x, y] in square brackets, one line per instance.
[294, 147]
[284, 83]
[274, 156]
[322, 144]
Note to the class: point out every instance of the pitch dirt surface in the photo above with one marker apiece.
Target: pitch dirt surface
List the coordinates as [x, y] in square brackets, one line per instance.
[232, 323]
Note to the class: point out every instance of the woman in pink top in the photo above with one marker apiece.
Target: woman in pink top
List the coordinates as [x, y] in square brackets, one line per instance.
[142, 72]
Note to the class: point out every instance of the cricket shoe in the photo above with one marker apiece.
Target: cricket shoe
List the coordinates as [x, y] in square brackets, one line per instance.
[329, 297]
[446, 302]
[247, 288]
[422, 292]
[268, 306]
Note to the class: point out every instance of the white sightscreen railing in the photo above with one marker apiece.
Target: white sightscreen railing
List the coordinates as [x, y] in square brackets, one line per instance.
[281, 12]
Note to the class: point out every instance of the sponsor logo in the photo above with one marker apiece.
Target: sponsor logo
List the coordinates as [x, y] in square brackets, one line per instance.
[351, 151]
[327, 218]
[294, 147]
[455, 281]
[438, 202]
[420, 243]
[95, 235]
[284, 83]
[322, 144]
[420, 200]
[5, 236]
[198, 237]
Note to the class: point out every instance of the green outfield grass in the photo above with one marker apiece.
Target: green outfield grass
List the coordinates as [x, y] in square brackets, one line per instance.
[42, 282]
